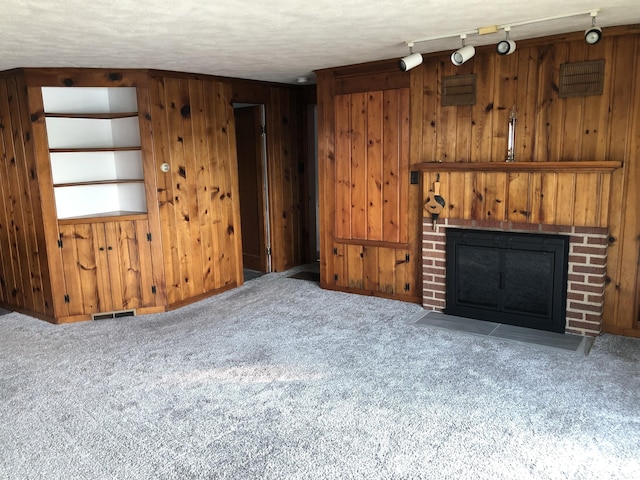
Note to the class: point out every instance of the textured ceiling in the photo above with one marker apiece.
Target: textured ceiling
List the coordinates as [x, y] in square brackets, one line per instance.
[271, 40]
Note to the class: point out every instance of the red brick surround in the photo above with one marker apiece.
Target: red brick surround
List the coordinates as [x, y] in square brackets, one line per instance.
[587, 267]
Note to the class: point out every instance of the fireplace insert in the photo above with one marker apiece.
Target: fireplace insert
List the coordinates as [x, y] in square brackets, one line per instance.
[513, 278]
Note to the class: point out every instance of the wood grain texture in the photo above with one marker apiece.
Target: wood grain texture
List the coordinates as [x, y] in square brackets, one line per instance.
[576, 157]
[23, 262]
[287, 167]
[198, 199]
[368, 209]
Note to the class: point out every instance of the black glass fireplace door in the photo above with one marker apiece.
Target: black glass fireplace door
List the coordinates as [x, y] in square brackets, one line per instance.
[518, 279]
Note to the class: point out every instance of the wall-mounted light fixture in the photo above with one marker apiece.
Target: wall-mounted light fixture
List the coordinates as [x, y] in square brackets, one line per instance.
[594, 34]
[410, 61]
[463, 54]
[506, 46]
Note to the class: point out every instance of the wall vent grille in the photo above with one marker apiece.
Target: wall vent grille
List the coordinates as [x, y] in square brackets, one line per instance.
[459, 90]
[581, 79]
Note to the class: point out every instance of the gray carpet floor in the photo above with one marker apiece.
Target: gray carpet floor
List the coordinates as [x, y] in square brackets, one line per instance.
[279, 379]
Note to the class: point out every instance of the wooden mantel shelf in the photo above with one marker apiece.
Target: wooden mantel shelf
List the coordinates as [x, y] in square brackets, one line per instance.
[598, 166]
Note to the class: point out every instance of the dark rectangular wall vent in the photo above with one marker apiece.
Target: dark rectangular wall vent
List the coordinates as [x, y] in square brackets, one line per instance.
[581, 79]
[459, 90]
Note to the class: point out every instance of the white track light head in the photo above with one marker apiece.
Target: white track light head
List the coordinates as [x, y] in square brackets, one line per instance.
[460, 56]
[594, 34]
[506, 46]
[410, 61]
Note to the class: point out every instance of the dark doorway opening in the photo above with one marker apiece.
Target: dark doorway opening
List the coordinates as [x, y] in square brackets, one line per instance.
[513, 278]
[254, 205]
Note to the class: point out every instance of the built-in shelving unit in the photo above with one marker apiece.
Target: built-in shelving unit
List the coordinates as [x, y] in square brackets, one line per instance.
[95, 152]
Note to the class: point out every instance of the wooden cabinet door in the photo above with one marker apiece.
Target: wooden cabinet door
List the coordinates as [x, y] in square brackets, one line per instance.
[107, 267]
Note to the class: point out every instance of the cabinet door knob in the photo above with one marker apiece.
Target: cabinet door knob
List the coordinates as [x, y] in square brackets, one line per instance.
[102, 249]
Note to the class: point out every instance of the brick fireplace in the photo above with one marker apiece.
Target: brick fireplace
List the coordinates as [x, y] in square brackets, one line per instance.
[586, 274]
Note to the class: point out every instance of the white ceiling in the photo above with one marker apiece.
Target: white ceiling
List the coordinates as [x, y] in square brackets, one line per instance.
[271, 40]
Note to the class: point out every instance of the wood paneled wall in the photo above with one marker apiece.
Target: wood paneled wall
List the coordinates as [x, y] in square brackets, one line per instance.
[24, 272]
[372, 165]
[188, 244]
[579, 198]
[549, 129]
[287, 167]
[194, 133]
[368, 209]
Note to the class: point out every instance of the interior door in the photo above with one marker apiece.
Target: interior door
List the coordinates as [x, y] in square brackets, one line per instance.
[251, 182]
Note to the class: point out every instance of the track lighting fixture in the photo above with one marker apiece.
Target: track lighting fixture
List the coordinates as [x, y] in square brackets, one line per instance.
[463, 54]
[594, 34]
[410, 61]
[506, 47]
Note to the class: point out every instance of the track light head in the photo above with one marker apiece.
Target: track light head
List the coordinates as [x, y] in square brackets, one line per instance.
[594, 34]
[462, 55]
[506, 46]
[410, 61]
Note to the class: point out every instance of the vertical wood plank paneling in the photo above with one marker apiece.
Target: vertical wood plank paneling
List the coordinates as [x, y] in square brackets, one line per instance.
[358, 160]
[147, 275]
[425, 94]
[447, 119]
[518, 206]
[374, 157]
[391, 168]
[407, 196]
[483, 111]
[17, 253]
[355, 266]
[624, 98]
[41, 295]
[565, 198]
[587, 202]
[165, 150]
[151, 258]
[543, 197]
[214, 187]
[477, 198]
[526, 104]
[595, 128]
[573, 120]
[494, 196]
[386, 270]
[227, 167]
[623, 256]
[189, 108]
[113, 239]
[342, 166]
[371, 272]
[454, 196]
[6, 257]
[339, 275]
[179, 154]
[77, 246]
[164, 197]
[193, 125]
[504, 100]
[328, 183]
[202, 185]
